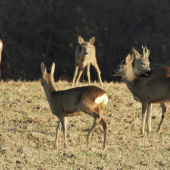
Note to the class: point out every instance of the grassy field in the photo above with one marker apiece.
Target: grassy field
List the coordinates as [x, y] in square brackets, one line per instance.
[27, 132]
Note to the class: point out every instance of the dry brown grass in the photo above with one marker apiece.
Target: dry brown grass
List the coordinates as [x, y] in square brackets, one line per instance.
[27, 133]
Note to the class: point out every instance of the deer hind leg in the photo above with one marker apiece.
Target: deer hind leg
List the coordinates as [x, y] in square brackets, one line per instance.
[105, 128]
[98, 119]
[144, 110]
[91, 131]
[164, 113]
[64, 129]
[148, 117]
[75, 74]
[98, 73]
[57, 133]
[97, 114]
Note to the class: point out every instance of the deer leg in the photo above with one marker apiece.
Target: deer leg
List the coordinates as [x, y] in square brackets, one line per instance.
[57, 133]
[98, 120]
[75, 74]
[164, 113]
[97, 115]
[91, 131]
[80, 72]
[144, 110]
[88, 73]
[64, 129]
[105, 128]
[148, 117]
[98, 72]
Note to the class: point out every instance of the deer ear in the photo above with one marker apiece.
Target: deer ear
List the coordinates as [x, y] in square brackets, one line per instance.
[52, 68]
[129, 59]
[148, 53]
[137, 54]
[43, 68]
[80, 40]
[132, 57]
[92, 40]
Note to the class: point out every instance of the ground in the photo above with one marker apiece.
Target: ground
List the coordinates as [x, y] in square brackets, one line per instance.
[27, 132]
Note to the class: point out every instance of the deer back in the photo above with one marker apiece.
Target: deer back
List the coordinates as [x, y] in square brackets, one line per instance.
[160, 72]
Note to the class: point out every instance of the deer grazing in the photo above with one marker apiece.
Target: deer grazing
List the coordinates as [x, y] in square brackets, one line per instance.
[84, 56]
[89, 99]
[145, 90]
[1, 47]
[142, 69]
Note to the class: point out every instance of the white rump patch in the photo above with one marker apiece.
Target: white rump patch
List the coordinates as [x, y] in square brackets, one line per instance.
[101, 99]
[0, 44]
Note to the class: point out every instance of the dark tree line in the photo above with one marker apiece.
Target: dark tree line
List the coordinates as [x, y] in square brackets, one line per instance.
[47, 30]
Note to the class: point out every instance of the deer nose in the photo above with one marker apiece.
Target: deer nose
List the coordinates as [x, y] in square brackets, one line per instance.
[85, 53]
[114, 74]
[147, 72]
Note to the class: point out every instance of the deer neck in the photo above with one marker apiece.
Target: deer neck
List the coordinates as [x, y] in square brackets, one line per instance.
[129, 78]
[136, 72]
[49, 89]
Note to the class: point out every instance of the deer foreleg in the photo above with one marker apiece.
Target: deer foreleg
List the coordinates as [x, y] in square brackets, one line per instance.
[57, 133]
[144, 110]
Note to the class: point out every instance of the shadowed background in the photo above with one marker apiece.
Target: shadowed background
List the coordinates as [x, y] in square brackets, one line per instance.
[47, 30]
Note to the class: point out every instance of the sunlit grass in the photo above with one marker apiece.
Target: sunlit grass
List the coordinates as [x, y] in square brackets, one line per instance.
[27, 132]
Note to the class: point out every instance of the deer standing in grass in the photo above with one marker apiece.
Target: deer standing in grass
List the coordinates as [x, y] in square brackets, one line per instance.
[142, 69]
[145, 90]
[1, 47]
[89, 99]
[84, 56]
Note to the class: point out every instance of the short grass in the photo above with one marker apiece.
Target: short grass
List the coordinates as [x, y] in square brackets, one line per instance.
[27, 132]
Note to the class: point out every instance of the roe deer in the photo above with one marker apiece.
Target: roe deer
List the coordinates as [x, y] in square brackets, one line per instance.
[145, 90]
[89, 99]
[141, 69]
[141, 64]
[84, 56]
[1, 47]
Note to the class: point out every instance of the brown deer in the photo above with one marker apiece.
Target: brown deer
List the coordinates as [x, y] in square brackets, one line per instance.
[1, 47]
[142, 69]
[141, 64]
[84, 56]
[145, 90]
[89, 99]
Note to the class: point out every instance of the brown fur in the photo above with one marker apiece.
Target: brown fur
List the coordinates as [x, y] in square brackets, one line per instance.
[70, 102]
[141, 65]
[145, 90]
[84, 56]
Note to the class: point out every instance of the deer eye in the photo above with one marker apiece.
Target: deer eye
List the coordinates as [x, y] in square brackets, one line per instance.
[143, 64]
